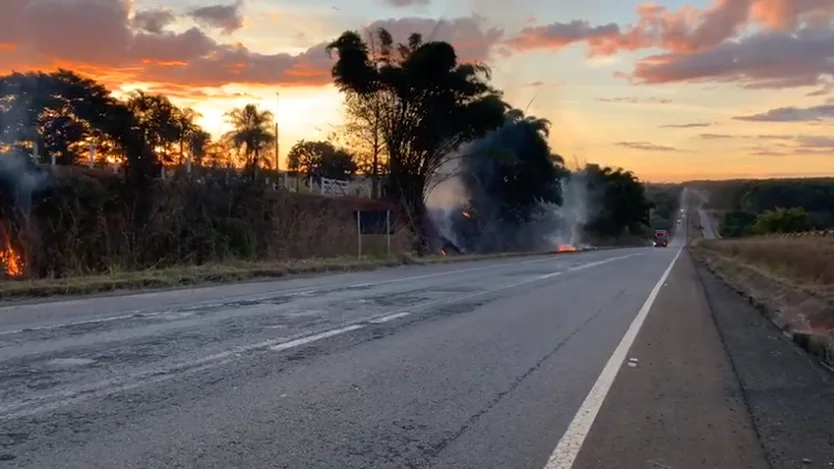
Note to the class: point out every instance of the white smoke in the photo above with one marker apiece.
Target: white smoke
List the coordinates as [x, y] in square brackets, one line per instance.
[574, 211]
[19, 176]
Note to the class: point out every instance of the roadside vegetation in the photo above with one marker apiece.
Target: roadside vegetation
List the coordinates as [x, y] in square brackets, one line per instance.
[98, 186]
[779, 258]
[757, 207]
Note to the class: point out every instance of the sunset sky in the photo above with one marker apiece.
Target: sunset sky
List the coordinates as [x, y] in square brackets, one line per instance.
[671, 90]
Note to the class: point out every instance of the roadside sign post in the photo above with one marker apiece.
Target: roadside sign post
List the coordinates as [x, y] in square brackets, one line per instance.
[388, 233]
[92, 154]
[359, 234]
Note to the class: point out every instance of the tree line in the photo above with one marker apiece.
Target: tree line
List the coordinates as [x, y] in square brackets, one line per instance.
[751, 207]
[412, 111]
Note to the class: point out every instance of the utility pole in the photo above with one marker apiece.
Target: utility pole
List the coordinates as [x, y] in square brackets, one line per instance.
[276, 132]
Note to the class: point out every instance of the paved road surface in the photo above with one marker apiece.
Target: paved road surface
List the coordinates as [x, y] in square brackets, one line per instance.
[707, 225]
[492, 364]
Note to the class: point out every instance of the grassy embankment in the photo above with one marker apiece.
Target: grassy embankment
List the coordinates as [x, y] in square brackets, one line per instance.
[790, 279]
[232, 271]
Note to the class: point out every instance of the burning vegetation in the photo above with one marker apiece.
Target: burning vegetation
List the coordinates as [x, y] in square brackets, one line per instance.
[10, 259]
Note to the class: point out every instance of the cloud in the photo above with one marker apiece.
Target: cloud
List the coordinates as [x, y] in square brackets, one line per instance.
[815, 144]
[153, 21]
[690, 29]
[556, 36]
[764, 60]
[226, 18]
[786, 145]
[786, 43]
[406, 3]
[472, 38]
[647, 146]
[765, 152]
[792, 114]
[104, 39]
[826, 90]
[804, 145]
[716, 136]
[686, 126]
[634, 100]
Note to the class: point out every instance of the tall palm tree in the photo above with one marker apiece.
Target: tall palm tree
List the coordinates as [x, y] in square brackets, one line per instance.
[252, 133]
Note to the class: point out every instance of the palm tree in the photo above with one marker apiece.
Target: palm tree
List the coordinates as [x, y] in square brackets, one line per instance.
[252, 133]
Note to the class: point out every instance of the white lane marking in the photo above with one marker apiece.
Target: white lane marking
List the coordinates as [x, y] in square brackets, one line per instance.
[390, 317]
[439, 274]
[67, 324]
[315, 337]
[569, 445]
[65, 397]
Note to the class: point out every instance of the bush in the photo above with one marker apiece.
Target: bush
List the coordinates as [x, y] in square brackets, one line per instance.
[781, 220]
[86, 222]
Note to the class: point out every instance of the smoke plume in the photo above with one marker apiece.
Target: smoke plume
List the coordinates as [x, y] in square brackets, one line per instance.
[20, 178]
[467, 198]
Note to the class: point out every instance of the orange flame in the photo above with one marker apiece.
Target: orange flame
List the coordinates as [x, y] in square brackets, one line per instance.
[11, 259]
[566, 248]
[466, 214]
[443, 252]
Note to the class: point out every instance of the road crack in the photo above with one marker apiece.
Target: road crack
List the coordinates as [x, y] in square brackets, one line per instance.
[434, 450]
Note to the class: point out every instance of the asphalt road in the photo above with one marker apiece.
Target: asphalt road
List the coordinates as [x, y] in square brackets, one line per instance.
[707, 225]
[491, 364]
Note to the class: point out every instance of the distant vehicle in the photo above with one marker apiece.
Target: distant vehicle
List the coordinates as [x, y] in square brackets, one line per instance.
[661, 238]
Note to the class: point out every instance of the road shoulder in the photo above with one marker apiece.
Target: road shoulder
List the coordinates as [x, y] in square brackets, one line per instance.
[789, 394]
[685, 402]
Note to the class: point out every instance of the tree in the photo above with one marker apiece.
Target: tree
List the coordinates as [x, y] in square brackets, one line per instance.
[736, 224]
[508, 178]
[433, 105]
[624, 208]
[60, 112]
[320, 159]
[782, 220]
[252, 134]
[159, 121]
[363, 132]
[513, 169]
[198, 144]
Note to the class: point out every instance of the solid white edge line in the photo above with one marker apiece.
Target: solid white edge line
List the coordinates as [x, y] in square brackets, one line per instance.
[572, 440]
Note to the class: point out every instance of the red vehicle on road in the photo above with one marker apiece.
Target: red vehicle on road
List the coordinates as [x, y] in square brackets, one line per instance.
[661, 238]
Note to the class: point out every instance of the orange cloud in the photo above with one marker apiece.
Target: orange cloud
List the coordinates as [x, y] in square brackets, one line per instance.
[648, 146]
[104, 38]
[559, 35]
[791, 47]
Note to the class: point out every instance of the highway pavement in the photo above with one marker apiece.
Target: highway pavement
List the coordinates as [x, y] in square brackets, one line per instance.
[535, 362]
[707, 225]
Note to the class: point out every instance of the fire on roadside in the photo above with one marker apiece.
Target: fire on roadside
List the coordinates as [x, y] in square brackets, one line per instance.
[10, 260]
[566, 248]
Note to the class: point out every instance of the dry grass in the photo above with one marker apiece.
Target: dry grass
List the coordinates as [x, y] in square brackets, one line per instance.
[806, 261]
[789, 279]
[235, 271]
